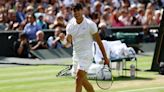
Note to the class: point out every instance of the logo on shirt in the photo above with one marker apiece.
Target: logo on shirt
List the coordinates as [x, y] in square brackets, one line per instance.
[83, 28]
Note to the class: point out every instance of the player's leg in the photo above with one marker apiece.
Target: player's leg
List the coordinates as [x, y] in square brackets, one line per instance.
[78, 75]
[87, 85]
[79, 80]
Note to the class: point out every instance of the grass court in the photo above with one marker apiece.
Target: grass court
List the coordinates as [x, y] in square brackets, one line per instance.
[42, 78]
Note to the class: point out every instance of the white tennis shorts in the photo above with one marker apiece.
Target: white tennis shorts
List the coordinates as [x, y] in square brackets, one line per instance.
[82, 64]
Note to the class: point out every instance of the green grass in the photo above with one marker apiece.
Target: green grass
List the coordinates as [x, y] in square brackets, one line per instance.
[43, 79]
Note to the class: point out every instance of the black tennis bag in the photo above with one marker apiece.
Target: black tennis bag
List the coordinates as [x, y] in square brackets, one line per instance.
[161, 68]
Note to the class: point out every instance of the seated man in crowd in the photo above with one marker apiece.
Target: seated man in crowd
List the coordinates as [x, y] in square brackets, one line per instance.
[39, 43]
[57, 41]
[31, 28]
[63, 40]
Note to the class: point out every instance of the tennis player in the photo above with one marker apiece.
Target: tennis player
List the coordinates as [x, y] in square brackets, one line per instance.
[80, 31]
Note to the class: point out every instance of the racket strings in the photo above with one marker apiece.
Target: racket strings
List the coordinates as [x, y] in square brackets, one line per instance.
[104, 78]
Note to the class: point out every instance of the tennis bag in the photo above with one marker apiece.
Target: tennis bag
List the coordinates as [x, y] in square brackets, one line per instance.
[161, 68]
[93, 72]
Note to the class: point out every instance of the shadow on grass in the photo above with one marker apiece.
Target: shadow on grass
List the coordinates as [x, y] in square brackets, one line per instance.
[125, 78]
[151, 70]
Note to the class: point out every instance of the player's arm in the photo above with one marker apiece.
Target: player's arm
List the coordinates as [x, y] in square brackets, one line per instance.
[99, 42]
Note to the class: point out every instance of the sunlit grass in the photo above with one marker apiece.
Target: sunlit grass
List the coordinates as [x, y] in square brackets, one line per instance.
[43, 78]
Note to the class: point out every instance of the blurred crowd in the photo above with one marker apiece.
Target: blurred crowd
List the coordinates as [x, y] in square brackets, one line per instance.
[14, 14]
[33, 16]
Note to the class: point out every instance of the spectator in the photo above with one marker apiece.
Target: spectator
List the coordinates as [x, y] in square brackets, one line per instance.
[55, 4]
[150, 6]
[68, 2]
[157, 16]
[116, 4]
[2, 3]
[9, 4]
[125, 3]
[103, 32]
[63, 41]
[45, 3]
[149, 17]
[124, 17]
[135, 2]
[40, 11]
[141, 6]
[13, 24]
[95, 16]
[105, 19]
[60, 20]
[41, 23]
[39, 43]
[30, 3]
[22, 25]
[67, 13]
[62, 9]
[115, 21]
[87, 11]
[20, 16]
[29, 10]
[57, 41]
[49, 17]
[108, 2]
[132, 15]
[21, 47]
[31, 27]
[140, 16]
[3, 24]
[108, 9]
[98, 7]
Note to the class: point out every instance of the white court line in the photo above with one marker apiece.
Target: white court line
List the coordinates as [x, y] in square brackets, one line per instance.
[137, 90]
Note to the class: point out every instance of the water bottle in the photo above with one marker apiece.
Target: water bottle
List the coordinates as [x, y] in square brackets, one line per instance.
[132, 71]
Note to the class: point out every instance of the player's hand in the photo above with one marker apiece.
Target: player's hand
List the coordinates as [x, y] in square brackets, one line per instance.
[106, 61]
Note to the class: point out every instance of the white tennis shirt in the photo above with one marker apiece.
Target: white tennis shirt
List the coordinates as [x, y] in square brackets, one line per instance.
[82, 38]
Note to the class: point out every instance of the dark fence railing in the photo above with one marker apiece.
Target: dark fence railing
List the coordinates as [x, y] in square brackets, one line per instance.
[7, 38]
[131, 29]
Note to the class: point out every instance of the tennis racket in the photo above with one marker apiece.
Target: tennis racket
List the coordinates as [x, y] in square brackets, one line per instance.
[104, 78]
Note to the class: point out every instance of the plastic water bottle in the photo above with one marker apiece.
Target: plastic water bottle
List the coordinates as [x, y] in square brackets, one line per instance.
[132, 71]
